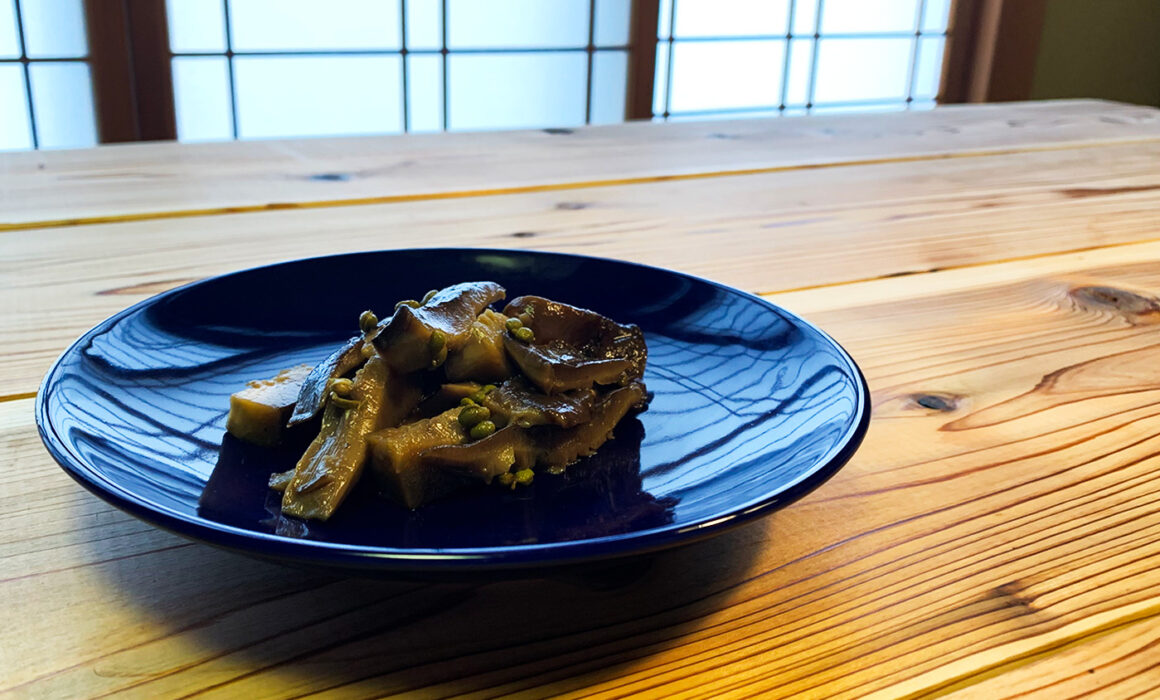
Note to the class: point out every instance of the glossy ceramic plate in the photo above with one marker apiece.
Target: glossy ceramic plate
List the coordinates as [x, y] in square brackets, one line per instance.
[752, 408]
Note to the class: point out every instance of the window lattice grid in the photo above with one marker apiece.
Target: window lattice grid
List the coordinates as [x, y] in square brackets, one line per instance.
[426, 67]
[45, 84]
[806, 43]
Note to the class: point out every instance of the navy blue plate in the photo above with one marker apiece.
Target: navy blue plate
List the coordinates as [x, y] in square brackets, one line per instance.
[753, 408]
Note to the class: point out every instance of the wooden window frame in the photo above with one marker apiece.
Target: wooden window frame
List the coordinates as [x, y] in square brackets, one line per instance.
[642, 59]
[989, 57]
[129, 62]
[992, 46]
[644, 42]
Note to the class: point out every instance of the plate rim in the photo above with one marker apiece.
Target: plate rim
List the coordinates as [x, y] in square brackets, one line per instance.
[405, 560]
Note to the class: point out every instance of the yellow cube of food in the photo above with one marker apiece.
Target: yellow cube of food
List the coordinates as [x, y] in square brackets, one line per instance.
[259, 412]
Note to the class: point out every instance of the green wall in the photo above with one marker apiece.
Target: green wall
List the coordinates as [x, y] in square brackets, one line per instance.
[1100, 48]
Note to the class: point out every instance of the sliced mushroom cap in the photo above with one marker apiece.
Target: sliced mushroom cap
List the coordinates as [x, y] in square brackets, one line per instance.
[446, 397]
[574, 348]
[316, 385]
[516, 402]
[333, 462]
[513, 448]
[406, 339]
[556, 449]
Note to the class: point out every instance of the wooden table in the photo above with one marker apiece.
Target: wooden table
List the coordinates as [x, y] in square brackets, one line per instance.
[994, 269]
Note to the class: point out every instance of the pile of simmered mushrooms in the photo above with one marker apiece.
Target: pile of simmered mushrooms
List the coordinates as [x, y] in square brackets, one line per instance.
[447, 393]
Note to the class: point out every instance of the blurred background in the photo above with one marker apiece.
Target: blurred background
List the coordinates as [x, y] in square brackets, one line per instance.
[74, 73]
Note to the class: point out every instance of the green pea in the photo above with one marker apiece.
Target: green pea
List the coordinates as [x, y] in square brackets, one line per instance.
[367, 321]
[472, 416]
[439, 357]
[513, 323]
[437, 340]
[524, 334]
[428, 295]
[466, 401]
[481, 393]
[482, 429]
[524, 477]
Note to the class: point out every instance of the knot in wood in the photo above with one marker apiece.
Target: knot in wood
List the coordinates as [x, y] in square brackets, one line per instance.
[1119, 301]
[944, 403]
[330, 177]
[1016, 594]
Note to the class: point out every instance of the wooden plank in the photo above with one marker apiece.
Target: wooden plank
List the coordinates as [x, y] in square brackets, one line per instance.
[172, 179]
[1121, 663]
[762, 233]
[1004, 505]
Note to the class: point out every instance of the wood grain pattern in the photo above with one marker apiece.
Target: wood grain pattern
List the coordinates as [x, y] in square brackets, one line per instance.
[1122, 662]
[126, 181]
[756, 232]
[1009, 520]
[998, 535]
